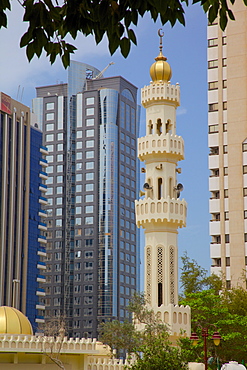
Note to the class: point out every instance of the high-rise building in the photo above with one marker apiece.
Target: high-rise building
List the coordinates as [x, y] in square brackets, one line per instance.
[161, 212]
[227, 140]
[21, 241]
[90, 126]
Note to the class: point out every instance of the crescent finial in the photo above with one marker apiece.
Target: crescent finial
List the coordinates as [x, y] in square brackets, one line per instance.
[161, 34]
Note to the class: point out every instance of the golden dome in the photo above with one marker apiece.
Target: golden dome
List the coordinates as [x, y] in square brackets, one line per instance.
[12, 321]
[160, 70]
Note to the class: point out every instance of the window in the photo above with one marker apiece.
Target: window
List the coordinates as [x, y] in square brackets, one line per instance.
[244, 169]
[245, 192]
[88, 232]
[89, 122]
[213, 128]
[49, 169]
[213, 85]
[49, 106]
[89, 176]
[78, 210]
[214, 150]
[89, 209]
[89, 220]
[59, 222]
[79, 134]
[90, 101]
[60, 136]
[89, 198]
[88, 254]
[59, 179]
[227, 238]
[89, 111]
[49, 116]
[224, 40]
[77, 223]
[89, 165]
[213, 64]
[225, 149]
[213, 107]
[59, 147]
[60, 158]
[225, 171]
[245, 214]
[49, 137]
[226, 216]
[224, 127]
[245, 237]
[88, 276]
[224, 63]
[59, 211]
[225, 193]
[49, 126]
[78, 188]
[224, 84]
[228, 284]
[50, 147]
[89, 143]
[224, 105]
[89, 187]
[90, 154]
[90, 133]
[79, 145]
[88, 288]
[60, 168]
[212, 42]
[244, 147]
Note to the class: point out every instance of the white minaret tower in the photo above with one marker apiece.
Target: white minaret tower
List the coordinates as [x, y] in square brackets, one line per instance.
[161, 212]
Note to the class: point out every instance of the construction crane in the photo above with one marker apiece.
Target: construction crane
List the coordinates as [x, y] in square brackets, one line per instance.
[101, 73]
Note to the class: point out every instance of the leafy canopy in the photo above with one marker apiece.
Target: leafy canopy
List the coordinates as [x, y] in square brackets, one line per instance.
[49, 21]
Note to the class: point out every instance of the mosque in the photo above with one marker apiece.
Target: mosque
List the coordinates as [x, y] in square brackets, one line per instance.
[159, 211]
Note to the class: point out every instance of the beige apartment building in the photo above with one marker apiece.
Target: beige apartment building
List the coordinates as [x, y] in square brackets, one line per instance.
[227, 141]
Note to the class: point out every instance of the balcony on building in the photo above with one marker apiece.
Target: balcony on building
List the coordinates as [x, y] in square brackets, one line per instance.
[41, 278]
[39, 319]
[42, 226]
[43, 188]
[43, 213]
[43, 175]
[43, 150]
[40, 292]
[43, 162]
[41, 265]
[40, 306]
[43, 200]
[42, 239]
[41, 252]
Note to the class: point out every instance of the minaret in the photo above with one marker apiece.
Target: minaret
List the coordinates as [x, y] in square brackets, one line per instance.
[161, 212]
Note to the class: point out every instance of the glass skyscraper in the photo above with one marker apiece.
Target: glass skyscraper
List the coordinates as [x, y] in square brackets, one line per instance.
[22, 176]
[90, 127]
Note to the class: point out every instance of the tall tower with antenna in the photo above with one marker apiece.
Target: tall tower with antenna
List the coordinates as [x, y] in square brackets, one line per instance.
[161, 212]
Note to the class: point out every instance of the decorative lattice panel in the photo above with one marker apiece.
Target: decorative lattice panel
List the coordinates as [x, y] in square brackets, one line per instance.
[148, 277]
[160, 265]
[172, 274]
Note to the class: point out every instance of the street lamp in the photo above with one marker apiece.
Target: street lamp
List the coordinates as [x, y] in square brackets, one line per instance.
[216, 338]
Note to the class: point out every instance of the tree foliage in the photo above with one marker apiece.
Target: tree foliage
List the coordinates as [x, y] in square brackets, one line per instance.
[216, 308]
[124, 337]
[159, 354]
[50, 21]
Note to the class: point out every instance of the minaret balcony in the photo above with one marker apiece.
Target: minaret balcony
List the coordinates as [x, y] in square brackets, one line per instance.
[160, 91]
[165, 210]
[168, 144]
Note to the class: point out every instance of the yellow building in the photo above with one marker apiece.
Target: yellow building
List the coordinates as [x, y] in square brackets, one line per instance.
[20, 349]
[227, 141]
[161, 212]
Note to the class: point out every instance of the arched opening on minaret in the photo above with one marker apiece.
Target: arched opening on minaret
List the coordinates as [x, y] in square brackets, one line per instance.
[159, 188]
[168, 126]
[159, 127]
[160, 301]
[150, 128]
[171, 192]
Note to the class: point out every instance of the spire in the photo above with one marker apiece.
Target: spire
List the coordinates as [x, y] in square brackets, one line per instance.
[160, 70]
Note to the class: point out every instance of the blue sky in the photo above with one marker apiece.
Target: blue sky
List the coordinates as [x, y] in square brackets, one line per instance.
[185, 48]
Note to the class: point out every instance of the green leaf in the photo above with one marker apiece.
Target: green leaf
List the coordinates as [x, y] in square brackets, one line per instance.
[223, 19]
[125, 46]
[30, 51]
[26, 38]
[132, 36]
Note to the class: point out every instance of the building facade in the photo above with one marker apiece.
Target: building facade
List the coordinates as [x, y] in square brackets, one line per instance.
[161, 212]
[22, 185]
[90, 127]
[227, 140]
